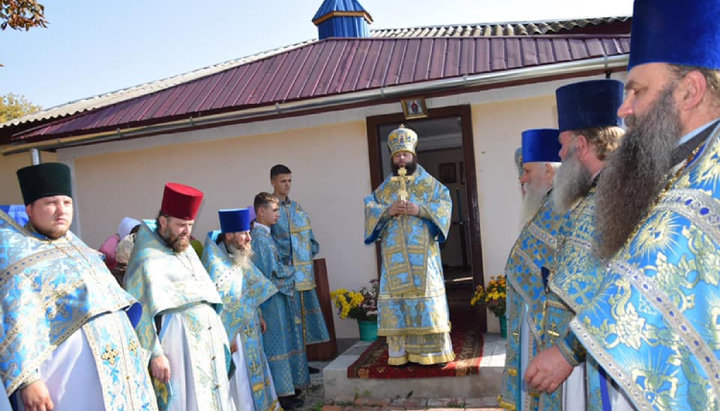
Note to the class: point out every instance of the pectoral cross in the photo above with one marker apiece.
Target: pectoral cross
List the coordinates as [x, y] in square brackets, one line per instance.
[402, 178]
[553, 331]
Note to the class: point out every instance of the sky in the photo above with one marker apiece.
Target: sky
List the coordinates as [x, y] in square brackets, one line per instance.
[96, 46]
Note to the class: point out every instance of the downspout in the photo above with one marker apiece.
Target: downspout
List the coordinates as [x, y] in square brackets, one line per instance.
[466, 81]
[35, 156]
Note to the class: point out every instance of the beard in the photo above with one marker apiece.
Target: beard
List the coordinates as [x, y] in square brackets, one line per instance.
[240, 255]
[636, 172]
[174, 241]
[571, 182]
[409, 167]
[53, 233]
[535, 193]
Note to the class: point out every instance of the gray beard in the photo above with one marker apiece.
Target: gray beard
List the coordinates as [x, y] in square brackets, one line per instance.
[239, 257]
[571, 182]
[636, 173]
[532, 201]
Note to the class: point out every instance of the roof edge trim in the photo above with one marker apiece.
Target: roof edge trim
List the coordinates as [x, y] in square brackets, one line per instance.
[568, 68]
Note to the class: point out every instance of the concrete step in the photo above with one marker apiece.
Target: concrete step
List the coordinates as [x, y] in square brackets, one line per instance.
[341, 389]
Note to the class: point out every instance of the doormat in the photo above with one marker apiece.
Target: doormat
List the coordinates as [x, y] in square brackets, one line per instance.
[467, 345]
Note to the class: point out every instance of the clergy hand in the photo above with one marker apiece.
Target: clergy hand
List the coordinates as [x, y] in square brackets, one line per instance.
[233, 347]
[160, 368]
[36, 397]
[547, 370]
[411, 208]
[263, 326]
[398, 207]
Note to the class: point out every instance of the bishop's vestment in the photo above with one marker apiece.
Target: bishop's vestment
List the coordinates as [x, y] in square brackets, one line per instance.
[413, 310]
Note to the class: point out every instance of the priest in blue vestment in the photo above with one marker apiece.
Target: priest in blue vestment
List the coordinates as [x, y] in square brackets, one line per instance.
[283, 341]
[527, 269]
[297, 246]
[409, 214]
[226, 256]
[653, 323]
[67, 341]
[589, 133]
[180, 324]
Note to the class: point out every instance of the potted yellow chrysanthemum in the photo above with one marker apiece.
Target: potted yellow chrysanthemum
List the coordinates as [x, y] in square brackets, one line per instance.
[360, 305]
[493, 297]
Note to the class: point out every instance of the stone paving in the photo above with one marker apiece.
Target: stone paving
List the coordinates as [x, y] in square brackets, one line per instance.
[314, 400]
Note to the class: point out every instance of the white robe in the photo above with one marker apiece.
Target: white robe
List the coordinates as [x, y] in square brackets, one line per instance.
[618, 400]
[175, 346]
[240, 389]
[574, 390]
[71, 377]
[4, 403]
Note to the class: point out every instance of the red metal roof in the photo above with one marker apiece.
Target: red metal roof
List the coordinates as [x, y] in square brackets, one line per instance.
[329, 67]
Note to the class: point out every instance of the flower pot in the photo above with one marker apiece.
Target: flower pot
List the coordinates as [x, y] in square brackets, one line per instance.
[503, 326]
[368, 330]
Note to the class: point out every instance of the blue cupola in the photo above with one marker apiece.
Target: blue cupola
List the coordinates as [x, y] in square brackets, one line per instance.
[342, 18]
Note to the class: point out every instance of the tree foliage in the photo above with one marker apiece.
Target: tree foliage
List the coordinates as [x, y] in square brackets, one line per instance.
[21, 14]
[14, 106]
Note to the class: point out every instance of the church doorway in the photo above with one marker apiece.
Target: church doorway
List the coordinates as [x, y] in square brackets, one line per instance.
[445, 150]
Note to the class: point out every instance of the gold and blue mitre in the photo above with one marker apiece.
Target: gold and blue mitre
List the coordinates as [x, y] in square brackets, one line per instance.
[587, 104]
[675, 32]
[540, 145]
[402, 139]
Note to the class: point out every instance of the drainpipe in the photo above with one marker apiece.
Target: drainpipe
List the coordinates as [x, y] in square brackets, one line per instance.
[35, 156]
